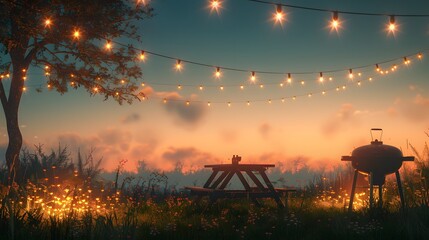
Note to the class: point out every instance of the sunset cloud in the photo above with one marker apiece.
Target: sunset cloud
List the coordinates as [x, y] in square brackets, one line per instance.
[265, 130]
[346, 117]
[131, 118]
[112, 145]
[188, 159]
[176, 106]
[415, 109]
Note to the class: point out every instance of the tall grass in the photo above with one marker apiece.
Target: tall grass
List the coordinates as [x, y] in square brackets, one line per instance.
[144, 209]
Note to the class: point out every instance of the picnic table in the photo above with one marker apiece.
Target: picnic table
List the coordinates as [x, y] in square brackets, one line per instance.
[254, 187]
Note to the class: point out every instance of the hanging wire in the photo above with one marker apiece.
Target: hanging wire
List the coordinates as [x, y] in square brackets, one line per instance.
[339, 11]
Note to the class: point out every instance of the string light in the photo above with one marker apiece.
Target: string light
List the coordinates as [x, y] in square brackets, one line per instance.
[279, 15]
[201, 87]
[217, 73]
[321, 77]
[392, 24]
[179, 65]
[420, 56]
[215, 5]
[76, 34]
[335, 24]
[253, 77]
[208, 104]
[289, 78]
[407, 61]
[142, 56]
[241, 87]
[165, 100]
[188, 103]
[302, 83]
[108, 45]
[261, 86]
[179, 87]
[260, 71]
[248, 103]
[229, 104]
[24, 89]
[47, 22]
[377, 68]
[350, 73]
[221, 88]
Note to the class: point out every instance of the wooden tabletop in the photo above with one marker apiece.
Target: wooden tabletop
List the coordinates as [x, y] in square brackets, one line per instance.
[239, 166]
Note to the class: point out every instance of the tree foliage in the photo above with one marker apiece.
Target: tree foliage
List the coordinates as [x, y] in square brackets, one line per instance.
[66, 38]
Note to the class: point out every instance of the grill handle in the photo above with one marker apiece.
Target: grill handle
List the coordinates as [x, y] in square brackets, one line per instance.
[376, 129]
[346, 158]
[408, 159]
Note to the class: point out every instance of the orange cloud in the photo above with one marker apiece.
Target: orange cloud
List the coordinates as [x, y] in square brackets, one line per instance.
[188, 114]
[346, 117]
[415, 109]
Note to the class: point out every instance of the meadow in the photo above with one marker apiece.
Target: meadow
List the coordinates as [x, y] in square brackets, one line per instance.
[55, 198]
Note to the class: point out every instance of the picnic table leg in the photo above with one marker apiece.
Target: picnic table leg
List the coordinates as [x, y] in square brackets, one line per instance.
[255, 180]
[219, 180]
[247, 187]
[271, 188]
[211, 178]
[227, 179]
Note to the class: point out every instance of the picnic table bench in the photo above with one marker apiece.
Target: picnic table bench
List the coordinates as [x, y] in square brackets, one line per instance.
[222, 174]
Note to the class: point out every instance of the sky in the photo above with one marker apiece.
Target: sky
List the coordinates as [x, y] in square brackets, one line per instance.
[242, 35]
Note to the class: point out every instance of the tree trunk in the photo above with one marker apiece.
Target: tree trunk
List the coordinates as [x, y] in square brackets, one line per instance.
[11, 113]
[15, 142]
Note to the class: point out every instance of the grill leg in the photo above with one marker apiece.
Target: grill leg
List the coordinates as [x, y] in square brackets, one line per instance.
[371, 188]
[380, 195]
[401, 192]
[352, 195]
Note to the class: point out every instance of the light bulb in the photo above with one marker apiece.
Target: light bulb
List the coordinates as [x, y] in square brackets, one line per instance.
[253, 77]
[335, 23]
[215, 5]
[48, 22]
[377, 68]
[321, 79]
[76, 34]
[142, 56]
[217, 73]
[289, 78]
[108, 45]
[392, 24]
[279, 15]
[350, 73]
[407, 61]
[179, 65]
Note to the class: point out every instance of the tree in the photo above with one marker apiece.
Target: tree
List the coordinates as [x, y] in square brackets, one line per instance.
[66, 38]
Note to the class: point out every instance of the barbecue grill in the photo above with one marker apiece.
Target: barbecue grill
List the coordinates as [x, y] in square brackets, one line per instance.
[376, 160]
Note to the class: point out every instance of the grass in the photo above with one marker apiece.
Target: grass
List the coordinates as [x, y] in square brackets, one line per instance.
[60, 201]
